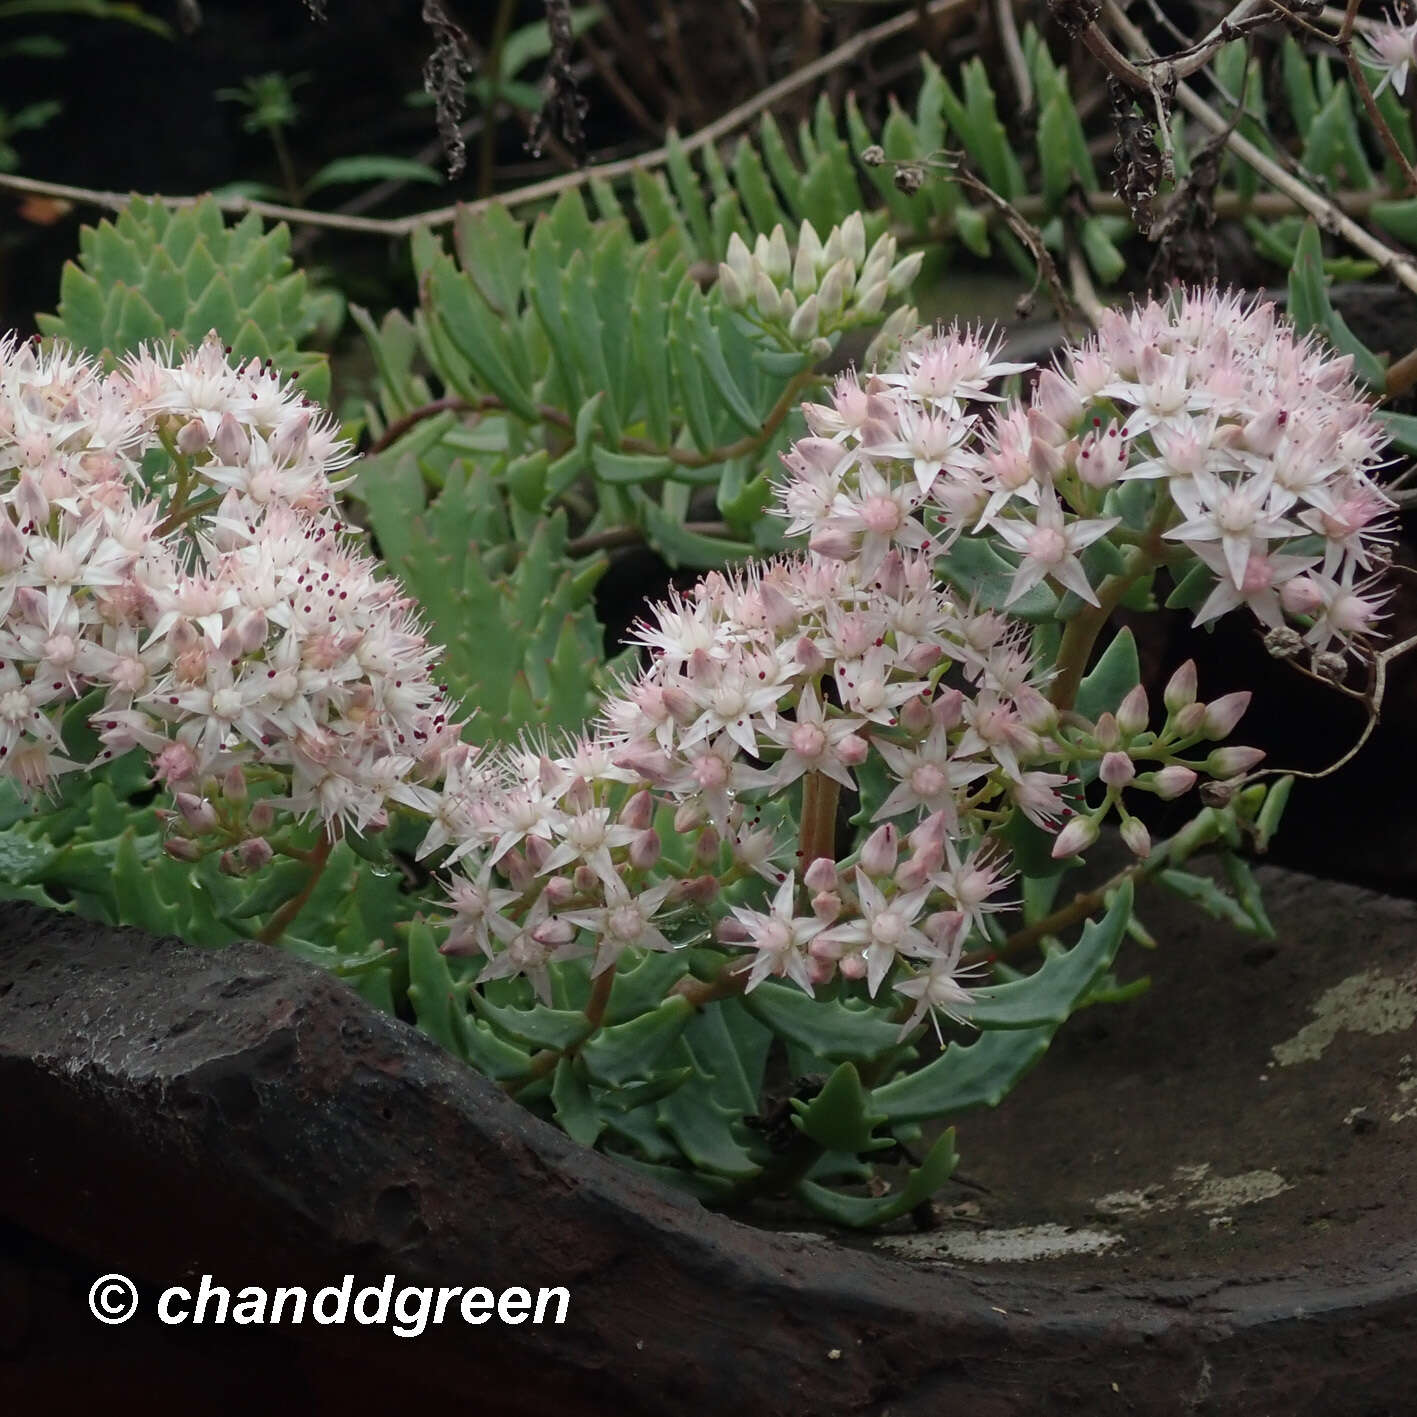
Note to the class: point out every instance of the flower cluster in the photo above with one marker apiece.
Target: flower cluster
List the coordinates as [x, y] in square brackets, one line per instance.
[170, 540]
[1205, 433]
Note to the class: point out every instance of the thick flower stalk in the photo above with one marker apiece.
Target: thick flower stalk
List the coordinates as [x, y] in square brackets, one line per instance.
[170, 542]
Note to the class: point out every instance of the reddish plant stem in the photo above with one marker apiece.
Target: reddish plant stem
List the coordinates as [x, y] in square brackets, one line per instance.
[280, 921]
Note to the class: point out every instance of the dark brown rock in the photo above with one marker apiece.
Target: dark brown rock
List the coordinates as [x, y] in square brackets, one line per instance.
[169, 1113]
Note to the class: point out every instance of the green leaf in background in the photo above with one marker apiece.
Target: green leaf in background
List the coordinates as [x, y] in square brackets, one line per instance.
[372, 168]
[1310, 309]
[153, 274]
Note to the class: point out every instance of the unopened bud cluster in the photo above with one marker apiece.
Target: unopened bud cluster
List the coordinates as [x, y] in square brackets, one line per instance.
[1130, 756]
[812, 292]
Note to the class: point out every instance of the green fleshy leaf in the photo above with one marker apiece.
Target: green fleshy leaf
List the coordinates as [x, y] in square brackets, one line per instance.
[575, 1109]
[827, 1028]
[1114, 676]
[863, 1212]
[839, 1117]
[628, 1051]
[539, 1026]
[1050, 993]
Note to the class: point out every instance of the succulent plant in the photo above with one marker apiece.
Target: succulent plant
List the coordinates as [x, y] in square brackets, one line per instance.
[154, 273]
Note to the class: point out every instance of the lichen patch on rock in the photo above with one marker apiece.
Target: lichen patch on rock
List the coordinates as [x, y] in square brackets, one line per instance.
[1366, 1002]
[1224, 1193]
[1025, 1242]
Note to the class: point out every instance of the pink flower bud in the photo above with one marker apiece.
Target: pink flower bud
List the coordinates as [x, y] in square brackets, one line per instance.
[821, 875]
[1173, 781]
[1077, 836]
[513, 866]
[688, 816]
[1057, 399]
[638, 812]
[1181, 687]
[698, 889]
[915, 716]
[228, 864]
[1264, 432]
[809, 656]
[732, 931]
[853, 967]
[181, 849]
[1231, 762]
[197, 812]
[1190, 719]
[1134, 713]
[231, 443]
[913, 872]
[1117, 770]
[852, 750]
[557, 891]
[826, 906]
[820, 971]
[584, 879]
[779, 612]
[1106, 732]
[192, 437]
[706, 847]
[554, 932]
[922, 658]
[944, 926]
[538, 852]
[930, 836]
[644, 850]
[1222, 714]
[12, 545]
[948, 709]
[890, 575]
[1301, 596]
[233, 785]
[833, 544]
[1137, 838]
[255, 853]
[680, 703]
[878, 855]
[1035, 711]
[262, 816]
[647, 763]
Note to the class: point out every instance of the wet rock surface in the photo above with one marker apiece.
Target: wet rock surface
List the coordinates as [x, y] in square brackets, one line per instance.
[169, 1113]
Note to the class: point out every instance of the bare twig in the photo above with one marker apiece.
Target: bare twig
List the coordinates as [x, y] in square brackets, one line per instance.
[1084, 293]
[1026, 232]
[845, 53]
[1329, 216]
[1013, 54]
